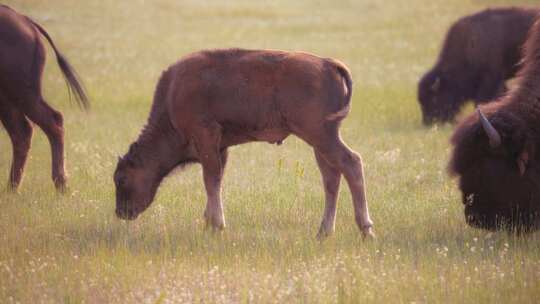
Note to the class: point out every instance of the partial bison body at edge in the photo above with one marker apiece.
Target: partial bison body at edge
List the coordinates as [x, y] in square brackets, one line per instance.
[22, 60]
[211, 100]
[496, 153]
[480, 53]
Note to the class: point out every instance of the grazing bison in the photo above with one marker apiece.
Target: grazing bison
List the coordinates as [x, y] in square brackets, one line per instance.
[496, 154]
[480, 53]
[212, 100]
[21, 67]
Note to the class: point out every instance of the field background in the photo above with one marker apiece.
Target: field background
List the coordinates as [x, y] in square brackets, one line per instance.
[72, 249]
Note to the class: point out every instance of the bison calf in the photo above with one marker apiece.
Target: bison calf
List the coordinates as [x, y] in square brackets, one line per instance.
[496, 153]
[212, 100]
[22, 61]
[479, 54]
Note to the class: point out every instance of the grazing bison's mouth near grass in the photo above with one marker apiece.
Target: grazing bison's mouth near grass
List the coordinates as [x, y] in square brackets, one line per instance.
[130, 209]
[135, 189]
[479, 214]
[497, 197]
[498, 175]
[126, 214]
[125, 208]
[126, 211]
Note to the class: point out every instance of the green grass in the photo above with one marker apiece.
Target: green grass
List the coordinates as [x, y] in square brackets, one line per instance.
[72, 249]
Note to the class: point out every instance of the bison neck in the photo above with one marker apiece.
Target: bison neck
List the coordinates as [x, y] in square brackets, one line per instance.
[161, 148]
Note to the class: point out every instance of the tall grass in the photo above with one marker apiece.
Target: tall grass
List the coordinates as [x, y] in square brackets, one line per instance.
[70, 248]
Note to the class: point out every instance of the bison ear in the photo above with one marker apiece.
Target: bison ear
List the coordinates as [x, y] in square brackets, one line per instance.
[522, 161]
[436, 84]
[524, 157]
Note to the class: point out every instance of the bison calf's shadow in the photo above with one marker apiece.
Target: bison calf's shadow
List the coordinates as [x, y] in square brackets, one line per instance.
[212, 100]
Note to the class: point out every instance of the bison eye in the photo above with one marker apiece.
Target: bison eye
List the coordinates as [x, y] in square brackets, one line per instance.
[469, 199]
[120, 181]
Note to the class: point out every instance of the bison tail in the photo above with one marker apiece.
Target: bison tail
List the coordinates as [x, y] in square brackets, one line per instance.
[71, 77]
[346, 75]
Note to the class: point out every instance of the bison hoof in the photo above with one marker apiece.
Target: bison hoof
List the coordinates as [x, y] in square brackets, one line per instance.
[367, 233]
[215, 226]
[60, 184]
[324, 233]
[13, 188]
[215, 223]
[61, 188]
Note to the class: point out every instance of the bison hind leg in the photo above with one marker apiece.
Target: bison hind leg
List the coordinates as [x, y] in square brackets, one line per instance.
[20, 133]
[52, 124]
[331, 179]
[329, 146]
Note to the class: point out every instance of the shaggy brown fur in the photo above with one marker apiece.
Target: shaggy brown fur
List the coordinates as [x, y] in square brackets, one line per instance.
[480, 53]
[21, 67]
[501, 185]
[211, 100]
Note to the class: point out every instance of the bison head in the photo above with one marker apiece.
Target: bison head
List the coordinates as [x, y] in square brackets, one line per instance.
[136, 186]
[439, 98]
[499, 176]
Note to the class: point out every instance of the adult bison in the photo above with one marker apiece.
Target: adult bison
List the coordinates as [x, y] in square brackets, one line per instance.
[211, 100]
[480, 53]
[21, 67]
[496, 154]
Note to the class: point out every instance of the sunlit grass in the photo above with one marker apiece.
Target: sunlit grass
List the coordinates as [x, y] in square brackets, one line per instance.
[72, 249]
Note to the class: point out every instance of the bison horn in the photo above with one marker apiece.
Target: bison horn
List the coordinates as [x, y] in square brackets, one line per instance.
[493, 135]
[436, 84]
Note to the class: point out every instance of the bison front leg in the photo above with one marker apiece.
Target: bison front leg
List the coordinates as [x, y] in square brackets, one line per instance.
[207, 143]
[331, 178]
[353, 172]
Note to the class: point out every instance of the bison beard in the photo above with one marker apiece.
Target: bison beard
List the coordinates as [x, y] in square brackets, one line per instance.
[212, 100]
[495, 156]
[479, 54]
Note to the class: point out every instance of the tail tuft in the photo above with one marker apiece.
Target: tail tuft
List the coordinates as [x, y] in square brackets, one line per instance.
[73, 81]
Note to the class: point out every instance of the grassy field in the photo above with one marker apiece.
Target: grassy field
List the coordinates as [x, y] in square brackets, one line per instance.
[71, 248]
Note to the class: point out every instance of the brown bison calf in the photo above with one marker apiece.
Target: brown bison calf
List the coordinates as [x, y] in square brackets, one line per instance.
[22, 58]
[496, 154]
[212, 100]
[480, 53]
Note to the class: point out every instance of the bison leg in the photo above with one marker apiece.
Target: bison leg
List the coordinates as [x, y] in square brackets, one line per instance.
[207, 142]
[331, 178]
[350, 165]
[20, 133]
[51, 122]
[329, 145]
